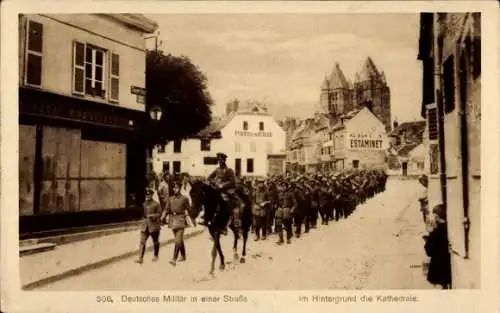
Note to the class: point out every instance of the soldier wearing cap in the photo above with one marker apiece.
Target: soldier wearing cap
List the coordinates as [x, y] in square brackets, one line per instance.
[315, 190]
[323, 201]
[178, 213]
[273, 198]
[150, 226]
[286, 207]
[300, 209]
[260, 207]
[224, 179]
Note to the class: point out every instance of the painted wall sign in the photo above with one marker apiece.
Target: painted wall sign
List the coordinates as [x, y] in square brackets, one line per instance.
[243, 133]
[137, 90]
[366, 144]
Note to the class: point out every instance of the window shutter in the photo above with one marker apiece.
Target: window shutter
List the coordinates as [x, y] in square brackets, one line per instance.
[432, 122]
[23, 34]
[449, 84]
[78, 68]
[34, 49]
[115, 77]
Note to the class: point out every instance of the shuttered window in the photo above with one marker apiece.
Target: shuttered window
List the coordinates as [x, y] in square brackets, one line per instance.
[34, 54]
[432, 121]
[449, 84]
[89, 71]
[115, 77]
[476, 45]
[78, 68]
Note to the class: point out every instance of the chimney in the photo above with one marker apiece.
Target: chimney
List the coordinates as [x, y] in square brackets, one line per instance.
[232, 106]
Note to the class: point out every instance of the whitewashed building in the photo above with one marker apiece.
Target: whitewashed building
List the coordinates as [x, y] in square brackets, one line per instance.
[251, 138]
[359, 140]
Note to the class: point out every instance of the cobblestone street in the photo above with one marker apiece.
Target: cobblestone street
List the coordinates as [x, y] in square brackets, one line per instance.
[378, 247]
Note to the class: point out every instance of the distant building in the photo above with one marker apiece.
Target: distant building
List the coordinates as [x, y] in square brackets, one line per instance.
[81, 103]
[359, 141]
[405, 155]
[370, 89]
[252, 139]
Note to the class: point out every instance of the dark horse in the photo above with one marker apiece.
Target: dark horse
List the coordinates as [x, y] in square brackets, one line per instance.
[217, 213]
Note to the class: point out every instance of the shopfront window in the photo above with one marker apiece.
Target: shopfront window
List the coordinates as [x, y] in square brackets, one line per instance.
[27, 144]
[60, 170]
[103, 175]
[80, 175]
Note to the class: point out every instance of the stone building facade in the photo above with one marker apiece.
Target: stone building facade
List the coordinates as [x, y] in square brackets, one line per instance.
[339, 95]
[450, 46]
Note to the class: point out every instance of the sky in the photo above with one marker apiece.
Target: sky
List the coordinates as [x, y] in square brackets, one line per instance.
[282, 59]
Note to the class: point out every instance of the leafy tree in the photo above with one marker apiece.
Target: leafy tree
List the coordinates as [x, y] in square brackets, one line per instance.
[179, 88]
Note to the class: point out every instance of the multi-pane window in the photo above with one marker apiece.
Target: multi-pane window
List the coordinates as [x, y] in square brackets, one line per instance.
[94, 71]
[205, 145]
[90, 67]
[237, 147]
[261, 126]
[245, 125]
[34, 53]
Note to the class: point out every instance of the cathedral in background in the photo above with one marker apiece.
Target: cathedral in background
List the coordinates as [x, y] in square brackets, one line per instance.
[339, 95]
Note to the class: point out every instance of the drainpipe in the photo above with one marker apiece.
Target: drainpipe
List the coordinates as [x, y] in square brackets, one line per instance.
[438, 83]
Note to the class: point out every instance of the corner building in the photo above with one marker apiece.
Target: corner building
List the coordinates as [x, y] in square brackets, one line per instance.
[81, 106]
[251, 138]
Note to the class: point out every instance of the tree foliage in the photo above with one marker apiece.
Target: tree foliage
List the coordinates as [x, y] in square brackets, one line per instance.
[179, 88]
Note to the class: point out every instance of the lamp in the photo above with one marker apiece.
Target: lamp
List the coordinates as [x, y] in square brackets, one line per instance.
[155, 113]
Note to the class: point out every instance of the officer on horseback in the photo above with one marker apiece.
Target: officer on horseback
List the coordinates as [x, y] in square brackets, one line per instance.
[224, 179]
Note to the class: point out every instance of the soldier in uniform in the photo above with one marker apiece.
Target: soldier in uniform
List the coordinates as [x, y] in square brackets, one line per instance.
[150, 226]
[273, 198]
[177, 212]
[314, 198]
[323, 202]
[286, 207]
[300, 210]
[260, 208]
[224, 179]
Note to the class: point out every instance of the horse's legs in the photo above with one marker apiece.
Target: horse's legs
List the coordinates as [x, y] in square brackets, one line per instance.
[235, 242]
[214, 255]
[245, 237]
[219, 249]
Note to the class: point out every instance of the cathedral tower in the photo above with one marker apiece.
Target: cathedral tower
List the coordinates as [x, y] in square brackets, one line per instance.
[371, 90]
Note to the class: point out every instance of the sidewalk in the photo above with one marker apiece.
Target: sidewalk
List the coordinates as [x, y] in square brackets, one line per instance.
[399, 263]
[71, 259]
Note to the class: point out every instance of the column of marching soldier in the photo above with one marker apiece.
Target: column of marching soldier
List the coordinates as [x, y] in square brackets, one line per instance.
[280, 205]
[295, 204]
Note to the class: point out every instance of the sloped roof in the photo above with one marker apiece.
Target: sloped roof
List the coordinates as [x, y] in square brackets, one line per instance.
[412, 129]
[405, 149]
[214, 128]
[326, 84]
[368, 71]
[337, 78]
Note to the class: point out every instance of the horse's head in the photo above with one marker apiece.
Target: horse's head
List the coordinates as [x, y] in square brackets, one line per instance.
[198, 195]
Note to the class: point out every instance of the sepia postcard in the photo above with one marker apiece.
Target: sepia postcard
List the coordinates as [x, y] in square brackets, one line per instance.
[270, 156]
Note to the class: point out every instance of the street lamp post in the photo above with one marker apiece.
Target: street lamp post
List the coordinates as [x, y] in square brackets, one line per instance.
[155, 113]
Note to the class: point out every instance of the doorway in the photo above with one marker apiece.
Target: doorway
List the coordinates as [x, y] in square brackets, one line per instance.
[355, 163]
[237, 167]
[405, 168]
